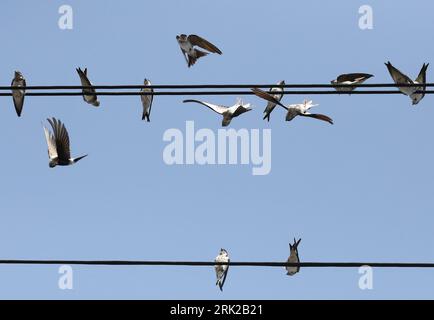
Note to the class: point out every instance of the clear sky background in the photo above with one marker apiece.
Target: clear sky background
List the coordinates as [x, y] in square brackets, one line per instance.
[359, 190]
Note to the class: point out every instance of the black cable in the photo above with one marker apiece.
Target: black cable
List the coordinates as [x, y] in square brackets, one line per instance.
[207, 93]
[218, 86]
[232, 263]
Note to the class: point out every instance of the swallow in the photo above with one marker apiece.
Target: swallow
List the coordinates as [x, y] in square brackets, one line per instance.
[18, 94]
[293, 110]
[147, 100]
[187, 43]
[293, 258]
[277, 94]
[228, 113]
[59, 153]
[400, 78]
[221, 270]
[350, 79]
[88, 94]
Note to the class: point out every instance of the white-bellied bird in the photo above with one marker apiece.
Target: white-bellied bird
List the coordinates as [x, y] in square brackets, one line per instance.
[191, 54]
[293, 258]
[400, 78]
[293, 110]
[59, 152]
[221, 270]
[350, 79]
[147, 100]
[18, 94]
[227, 112]
[88, 94]
[277, 94]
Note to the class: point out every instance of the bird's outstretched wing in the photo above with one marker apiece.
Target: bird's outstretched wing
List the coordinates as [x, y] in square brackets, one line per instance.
[399, 78]
[216, 108]
[201, 42]
[265, 95]
[61, 138]
[353, 77]
[51, 143]
[421, 78]
[319, 117]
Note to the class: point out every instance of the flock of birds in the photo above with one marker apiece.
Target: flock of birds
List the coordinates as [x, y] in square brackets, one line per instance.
[221, 270]
[58, 140]
[59, 145]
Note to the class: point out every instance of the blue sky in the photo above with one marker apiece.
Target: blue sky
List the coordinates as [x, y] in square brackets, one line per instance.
[358, 190]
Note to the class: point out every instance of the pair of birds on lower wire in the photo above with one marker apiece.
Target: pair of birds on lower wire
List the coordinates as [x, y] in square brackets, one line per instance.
[221, 270]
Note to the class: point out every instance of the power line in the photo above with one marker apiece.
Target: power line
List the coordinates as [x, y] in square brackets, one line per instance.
[232, 263]
[219, 86]
[207, 93]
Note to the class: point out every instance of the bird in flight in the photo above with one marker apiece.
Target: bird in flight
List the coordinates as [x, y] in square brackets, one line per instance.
[221, 270]
[350, 79]
[293, 110]
[88, 94]
[400, 78]
[59, 153]
[187, 44]
[293, 258]
[18, 94]
[277, 94]
[227, 112]
[147, 100]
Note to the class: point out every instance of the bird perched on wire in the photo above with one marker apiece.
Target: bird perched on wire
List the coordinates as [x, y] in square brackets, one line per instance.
[88, 94]
[187, 43]
[293, 110]
[18, 94]
[147, 100]
[221, 270]
[278, 95]
[293, 258]
[59, 152]
[400, 78]
[350, 79]
[227, 112]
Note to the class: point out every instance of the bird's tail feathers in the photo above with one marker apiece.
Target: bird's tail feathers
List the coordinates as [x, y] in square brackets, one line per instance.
[79, 158]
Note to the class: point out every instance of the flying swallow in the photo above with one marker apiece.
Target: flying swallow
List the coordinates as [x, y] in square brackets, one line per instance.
[227, 112]
[18, 94]
[277, 94]
[88, 94]
[350, 79]
[191, 54]
[221, 270]
[59, 152]
[147, 100]
[293, 110]
[400, 78]
[293, 258]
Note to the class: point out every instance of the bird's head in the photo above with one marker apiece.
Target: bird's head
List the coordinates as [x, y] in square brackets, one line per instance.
[223, 252]
[415, 98]
[146, 82]
[18, 75]
[181, 37]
